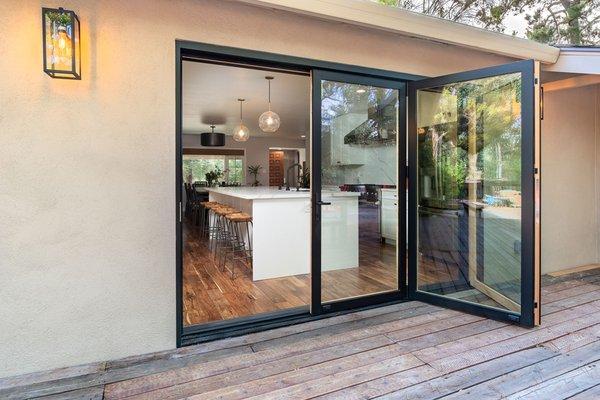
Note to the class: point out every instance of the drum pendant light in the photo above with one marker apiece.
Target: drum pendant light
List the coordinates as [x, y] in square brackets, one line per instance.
[241, 133]
[212, 139]
[269, 121]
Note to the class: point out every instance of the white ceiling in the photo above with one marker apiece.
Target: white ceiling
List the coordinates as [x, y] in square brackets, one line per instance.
[210, 94]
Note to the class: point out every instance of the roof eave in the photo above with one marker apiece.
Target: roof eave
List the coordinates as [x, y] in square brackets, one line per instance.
[580, 60]
[397, 20]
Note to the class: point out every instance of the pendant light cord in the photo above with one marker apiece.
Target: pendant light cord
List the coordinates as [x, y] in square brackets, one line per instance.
[241, 111]
[269, 94]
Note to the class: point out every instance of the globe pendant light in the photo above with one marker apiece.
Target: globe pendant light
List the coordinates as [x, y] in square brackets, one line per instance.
[241, 133]
[269, 121]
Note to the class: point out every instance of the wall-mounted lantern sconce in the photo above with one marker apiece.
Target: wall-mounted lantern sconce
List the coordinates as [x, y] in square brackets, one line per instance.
[62, 53]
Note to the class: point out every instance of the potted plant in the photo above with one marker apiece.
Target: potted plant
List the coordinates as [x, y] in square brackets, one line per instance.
[212, 177]
[305, 178]
[254, 170]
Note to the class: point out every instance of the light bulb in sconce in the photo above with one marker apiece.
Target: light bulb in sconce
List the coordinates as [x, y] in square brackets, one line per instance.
[62, 49]
[62, 37]
[61, 46]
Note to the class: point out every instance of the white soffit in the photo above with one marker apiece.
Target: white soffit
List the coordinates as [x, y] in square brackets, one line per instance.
[369, 14]
[580, 60]
[574, 82]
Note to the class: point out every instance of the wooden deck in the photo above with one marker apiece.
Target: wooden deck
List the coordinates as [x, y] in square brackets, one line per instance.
[405, 351]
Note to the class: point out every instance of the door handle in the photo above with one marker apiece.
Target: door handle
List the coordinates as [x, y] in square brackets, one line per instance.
[323, 203]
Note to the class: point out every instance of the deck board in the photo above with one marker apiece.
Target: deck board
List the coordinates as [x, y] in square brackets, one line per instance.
[524, 378]
[408, 351]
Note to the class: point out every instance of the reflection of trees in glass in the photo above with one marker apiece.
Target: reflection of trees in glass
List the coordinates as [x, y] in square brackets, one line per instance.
[500, 119]
[442, 158]
[375, 109]
[378, 104]
[494, 103]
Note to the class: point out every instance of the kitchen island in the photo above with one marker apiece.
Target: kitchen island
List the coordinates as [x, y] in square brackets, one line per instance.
[281, 228]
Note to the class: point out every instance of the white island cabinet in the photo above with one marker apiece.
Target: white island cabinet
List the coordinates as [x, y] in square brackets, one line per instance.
[281, 228]
[389, 213]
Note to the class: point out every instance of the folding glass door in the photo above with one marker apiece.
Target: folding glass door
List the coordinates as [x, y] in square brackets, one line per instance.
[358, 190]
[474, 191]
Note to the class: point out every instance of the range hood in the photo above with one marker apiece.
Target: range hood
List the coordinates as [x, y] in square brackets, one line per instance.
[379, 127]
[212, 139]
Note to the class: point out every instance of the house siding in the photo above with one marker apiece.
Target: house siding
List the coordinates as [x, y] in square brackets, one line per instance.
[570, 180]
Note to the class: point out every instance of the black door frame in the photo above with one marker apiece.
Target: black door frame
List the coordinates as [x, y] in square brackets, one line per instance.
[528, 173]
[317, 306]
[203, 52]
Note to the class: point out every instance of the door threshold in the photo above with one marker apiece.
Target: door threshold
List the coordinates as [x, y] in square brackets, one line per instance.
[242, 326]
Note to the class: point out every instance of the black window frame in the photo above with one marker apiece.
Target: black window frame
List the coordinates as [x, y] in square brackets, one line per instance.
[317, 306]
[529, 282]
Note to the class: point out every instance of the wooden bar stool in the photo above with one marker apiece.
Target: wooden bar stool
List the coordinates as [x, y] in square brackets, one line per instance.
[223, 235]
[204, 209]
[211, 222]
[240, 245]
[207, 232]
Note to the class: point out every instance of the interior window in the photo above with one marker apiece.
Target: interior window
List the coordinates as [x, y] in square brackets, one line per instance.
[229, 168]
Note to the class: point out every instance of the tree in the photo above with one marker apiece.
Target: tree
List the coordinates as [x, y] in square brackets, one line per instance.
[574, 22]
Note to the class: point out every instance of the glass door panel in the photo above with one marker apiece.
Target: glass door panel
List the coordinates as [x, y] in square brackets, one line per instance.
[471, 146]
[359, 196]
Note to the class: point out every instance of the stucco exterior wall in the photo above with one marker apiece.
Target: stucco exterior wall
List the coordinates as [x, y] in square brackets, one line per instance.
[87, 174]
[570, 183]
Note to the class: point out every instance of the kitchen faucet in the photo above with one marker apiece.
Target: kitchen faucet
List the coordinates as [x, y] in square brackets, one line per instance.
[287, 176]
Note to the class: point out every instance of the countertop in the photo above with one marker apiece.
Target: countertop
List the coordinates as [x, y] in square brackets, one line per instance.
[268, 192]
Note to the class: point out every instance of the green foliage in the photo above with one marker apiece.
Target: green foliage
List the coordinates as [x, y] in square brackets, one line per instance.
[235, 171]
[195, 169]
[305, 178]
[470, 132]
[63, 19]
[213, 176]
[254, 170]
[574, 22]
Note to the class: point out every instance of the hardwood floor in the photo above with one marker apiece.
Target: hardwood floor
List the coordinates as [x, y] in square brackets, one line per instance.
[405, 351]
[210, 294]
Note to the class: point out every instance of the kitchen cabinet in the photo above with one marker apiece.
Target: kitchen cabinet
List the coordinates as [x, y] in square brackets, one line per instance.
[281, 228]
[388, 204]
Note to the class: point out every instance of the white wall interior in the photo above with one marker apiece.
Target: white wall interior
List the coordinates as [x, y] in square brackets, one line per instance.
[87, 176]
[380, 169]
[570, 178]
